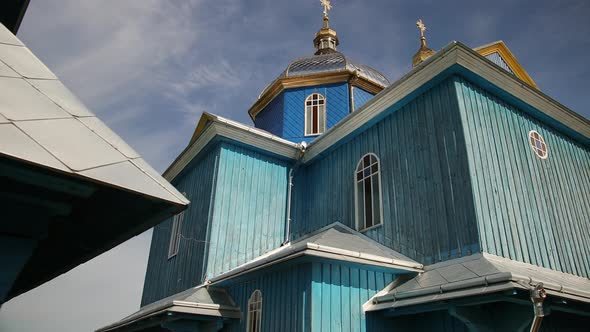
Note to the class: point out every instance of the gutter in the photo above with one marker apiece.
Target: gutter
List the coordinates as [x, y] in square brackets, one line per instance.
[302, 146]
[538, 295]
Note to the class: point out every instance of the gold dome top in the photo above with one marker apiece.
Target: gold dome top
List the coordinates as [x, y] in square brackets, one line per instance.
[424, 52]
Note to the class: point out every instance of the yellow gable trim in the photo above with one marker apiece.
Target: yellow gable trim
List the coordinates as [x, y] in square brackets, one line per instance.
[509, 58]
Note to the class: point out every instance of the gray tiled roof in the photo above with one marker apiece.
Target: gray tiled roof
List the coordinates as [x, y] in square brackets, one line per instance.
[479, 274]
[43, 123]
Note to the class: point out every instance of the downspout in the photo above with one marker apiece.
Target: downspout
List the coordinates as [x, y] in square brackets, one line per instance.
[302, 146]
[538, 295]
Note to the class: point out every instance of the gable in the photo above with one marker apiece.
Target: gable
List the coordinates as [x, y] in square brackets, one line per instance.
[498, 53]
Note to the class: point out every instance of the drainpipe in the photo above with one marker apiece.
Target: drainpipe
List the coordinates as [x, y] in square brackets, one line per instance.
[302, 147]
[538, 295]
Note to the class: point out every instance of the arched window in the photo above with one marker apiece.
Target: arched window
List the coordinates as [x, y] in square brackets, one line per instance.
[254, 312]
[315, 114]
[368, 192]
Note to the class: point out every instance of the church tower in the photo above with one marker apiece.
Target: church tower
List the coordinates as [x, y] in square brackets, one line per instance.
[315, 92]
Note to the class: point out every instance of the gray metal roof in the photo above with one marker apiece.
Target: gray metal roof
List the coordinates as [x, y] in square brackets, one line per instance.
[477, 275]
[43, 123]
[332, 62]
[200, 300]
[337, 242]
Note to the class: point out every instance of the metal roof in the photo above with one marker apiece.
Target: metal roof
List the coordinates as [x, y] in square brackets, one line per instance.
[478, 274]
[201, 300]
[335, 241]
[43, 123]
[332, 62]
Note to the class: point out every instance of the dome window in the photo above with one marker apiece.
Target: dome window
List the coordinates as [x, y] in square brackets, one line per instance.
[315, 114]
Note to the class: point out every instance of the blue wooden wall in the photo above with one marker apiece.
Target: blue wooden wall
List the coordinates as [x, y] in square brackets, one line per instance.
[360, 97]
[337, 107]
[286, 299]
[285, 115]
[427, 201]
[165, 277]
[528, 209]
[338, 295]
[249, 209]
[271, 118]
[439, 321]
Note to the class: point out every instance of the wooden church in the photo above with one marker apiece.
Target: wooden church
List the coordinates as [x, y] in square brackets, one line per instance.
[454, 199]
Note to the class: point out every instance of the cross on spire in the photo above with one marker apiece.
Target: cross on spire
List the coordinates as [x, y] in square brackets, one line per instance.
[327, 6]
[421, 26]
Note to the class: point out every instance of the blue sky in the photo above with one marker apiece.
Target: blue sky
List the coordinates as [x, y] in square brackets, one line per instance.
[149, 68]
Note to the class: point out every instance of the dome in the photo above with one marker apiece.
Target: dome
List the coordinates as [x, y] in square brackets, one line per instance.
[332, 62]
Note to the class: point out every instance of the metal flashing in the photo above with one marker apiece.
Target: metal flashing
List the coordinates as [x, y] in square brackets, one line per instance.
[477, 275]
[336, 242]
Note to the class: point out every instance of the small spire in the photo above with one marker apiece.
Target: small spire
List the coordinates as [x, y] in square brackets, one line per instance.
[424, 52]
[325, 40]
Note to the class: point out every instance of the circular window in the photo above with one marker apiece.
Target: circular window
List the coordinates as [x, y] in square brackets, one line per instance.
[538, 144]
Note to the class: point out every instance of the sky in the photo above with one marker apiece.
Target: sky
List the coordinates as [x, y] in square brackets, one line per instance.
[149, 68]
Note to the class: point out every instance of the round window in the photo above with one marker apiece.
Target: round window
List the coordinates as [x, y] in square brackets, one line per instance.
[538, 144]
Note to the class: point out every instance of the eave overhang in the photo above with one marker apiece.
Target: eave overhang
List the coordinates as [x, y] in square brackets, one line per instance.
[280, 84]
[311, 247]
[12, 13]
[170, 309]
[211, 126]
[497, 275]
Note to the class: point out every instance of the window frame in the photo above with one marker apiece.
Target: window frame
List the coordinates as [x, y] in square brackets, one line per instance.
[534, 147]
[175, 234]
[258, 311]
[361, 224]
[322, 112]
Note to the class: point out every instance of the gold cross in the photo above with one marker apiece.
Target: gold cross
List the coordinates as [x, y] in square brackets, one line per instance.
[421, 26]
[327, 6]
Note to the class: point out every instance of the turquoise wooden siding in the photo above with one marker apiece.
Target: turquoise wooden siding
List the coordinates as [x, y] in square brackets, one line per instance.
[337, 107]
[497, 59]
[165, 277]
[427, 201]
[338, 295]
[286, 299]
[271, 118]
[249, 209]
[360, 97]
[528, 209]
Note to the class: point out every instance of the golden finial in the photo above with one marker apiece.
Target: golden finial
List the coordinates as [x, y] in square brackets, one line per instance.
[327, 6]
[424, 52]
[325, 40]
[422, 27]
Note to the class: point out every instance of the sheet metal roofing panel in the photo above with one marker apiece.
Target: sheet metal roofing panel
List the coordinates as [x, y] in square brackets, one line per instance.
[98, 127]
[72, 143]
[482, 270]
[6, 36]
[51, 127]
[24, 62]
[21, 101]
[15, 143]
[5, 71]
[198, 296]
[62, 96]
[127, 175]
